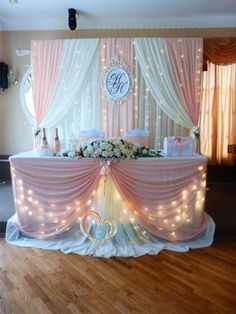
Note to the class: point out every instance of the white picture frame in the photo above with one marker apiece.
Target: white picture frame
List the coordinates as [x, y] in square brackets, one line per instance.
[118, 81]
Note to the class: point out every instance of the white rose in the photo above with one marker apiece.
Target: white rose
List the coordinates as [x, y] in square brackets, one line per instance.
[72, 154]
[109, 147]
[118, 143]
[105, 154]
[98, 152]
[102, 145]
[86, 153]
[117, 154]
[90, 149]
[144, 151]
[110, 153]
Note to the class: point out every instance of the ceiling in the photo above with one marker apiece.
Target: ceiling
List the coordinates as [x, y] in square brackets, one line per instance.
[107, 14]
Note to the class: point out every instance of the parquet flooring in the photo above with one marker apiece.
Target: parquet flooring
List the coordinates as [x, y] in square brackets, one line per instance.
[40, 281]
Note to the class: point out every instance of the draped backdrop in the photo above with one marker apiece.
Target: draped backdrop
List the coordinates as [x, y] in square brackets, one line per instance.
[68, 93]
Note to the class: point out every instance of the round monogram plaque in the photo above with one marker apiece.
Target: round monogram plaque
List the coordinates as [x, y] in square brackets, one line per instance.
[117, 81]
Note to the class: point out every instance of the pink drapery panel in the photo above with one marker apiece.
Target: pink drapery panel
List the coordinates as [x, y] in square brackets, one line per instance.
[56, 192]
[45, 60]
[116, 119]
[184, 55]
[166, 196]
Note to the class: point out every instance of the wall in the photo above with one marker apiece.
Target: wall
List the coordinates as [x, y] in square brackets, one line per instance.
[1, 53]
[14, 134]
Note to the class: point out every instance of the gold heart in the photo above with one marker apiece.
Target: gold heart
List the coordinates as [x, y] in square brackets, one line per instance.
[107, 220]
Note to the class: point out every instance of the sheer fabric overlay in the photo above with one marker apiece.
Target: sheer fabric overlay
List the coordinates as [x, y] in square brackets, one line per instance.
[78, 101]
[155, 204]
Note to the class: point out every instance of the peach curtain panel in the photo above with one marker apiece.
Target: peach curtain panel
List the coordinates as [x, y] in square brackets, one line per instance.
[45, 60]
[218, 113]
[116, 119]
[219, 50]
[184, 54]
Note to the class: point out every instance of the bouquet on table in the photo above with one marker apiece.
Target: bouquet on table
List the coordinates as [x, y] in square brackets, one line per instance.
[111, 149]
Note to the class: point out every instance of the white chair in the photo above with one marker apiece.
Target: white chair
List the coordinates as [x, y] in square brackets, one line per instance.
[138, 136]
[91, 134]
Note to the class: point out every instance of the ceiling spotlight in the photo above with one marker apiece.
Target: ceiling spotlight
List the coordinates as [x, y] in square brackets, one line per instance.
[72, 19]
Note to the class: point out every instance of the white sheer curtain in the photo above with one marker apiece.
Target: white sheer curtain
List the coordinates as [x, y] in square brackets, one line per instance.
[86, 111]
[156, 68]
[149, 115]
[77, 57]
[147, 112]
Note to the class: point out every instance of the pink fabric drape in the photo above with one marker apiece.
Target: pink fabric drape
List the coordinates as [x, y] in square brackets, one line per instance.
[45, 60]
[116, 119]
[184, 55]
[166, 195]
[54, 191]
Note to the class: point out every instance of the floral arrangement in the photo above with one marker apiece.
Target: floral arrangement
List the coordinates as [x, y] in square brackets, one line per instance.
[111, 149]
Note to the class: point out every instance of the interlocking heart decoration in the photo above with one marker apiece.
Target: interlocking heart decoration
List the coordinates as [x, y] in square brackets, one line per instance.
[84, 226]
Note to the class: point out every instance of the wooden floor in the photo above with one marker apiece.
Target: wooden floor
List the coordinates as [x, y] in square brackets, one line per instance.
[39, 281]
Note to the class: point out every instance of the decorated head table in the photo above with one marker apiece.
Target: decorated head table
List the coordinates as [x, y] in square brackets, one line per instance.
[109, 198]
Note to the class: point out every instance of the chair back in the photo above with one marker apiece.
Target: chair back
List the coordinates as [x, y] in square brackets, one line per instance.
[138, 136]
[91, 135]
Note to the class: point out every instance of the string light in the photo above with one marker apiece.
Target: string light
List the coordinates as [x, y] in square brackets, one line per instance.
[177, 218]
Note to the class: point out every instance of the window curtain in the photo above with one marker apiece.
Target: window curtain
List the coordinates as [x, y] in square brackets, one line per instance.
[172, 72]
[220, 51]
[218, 113]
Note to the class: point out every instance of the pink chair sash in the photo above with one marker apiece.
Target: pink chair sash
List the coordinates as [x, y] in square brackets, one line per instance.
[142, 140]
[89, 138]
